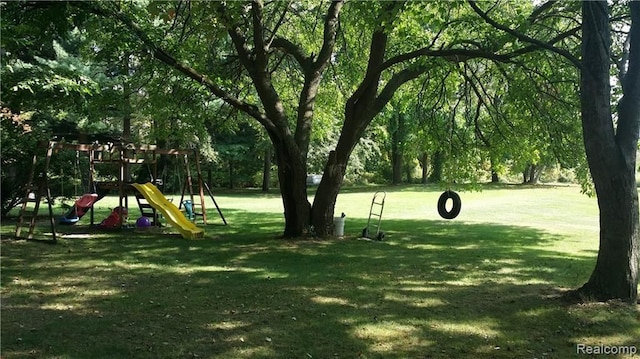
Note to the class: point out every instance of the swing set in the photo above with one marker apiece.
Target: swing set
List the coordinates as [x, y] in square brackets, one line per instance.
[124, 155]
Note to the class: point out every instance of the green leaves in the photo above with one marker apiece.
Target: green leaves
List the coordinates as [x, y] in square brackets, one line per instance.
[64, 79]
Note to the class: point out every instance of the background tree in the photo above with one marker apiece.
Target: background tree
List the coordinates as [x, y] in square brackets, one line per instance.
[610, 142]
[254, 46]
[611, 146]
[46, 87]
[16, 157]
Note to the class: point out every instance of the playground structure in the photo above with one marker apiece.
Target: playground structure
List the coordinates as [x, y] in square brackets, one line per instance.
[150, 200]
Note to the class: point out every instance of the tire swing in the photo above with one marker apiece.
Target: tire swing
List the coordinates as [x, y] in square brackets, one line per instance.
[449, 194]
[442, 205]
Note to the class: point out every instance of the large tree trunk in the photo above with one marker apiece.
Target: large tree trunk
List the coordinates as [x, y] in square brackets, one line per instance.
[266, 170]
[356, 121]
[424, 165]
[495, 178]
[532, 174]
[359, 111]
[611, 153]
[326, 195]
[437, 163]
[232, 175]
[290, 148]
[397, 148]
[292, 175]
[408, 170]
[126, 114]
[396, 161]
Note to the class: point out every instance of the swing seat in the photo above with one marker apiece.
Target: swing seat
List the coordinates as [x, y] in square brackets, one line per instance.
[69, 221]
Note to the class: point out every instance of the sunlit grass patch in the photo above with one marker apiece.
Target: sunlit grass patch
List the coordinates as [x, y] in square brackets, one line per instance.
[388, 337]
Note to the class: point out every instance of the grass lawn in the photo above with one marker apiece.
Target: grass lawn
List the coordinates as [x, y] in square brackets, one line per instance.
[485, 285]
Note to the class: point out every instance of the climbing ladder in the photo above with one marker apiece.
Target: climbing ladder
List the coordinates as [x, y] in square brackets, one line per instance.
[30, 204]
[146, 210]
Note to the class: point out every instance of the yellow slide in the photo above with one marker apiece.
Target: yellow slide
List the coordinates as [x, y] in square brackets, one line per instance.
[169, 210]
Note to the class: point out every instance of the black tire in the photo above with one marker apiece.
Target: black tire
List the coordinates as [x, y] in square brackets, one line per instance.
[380, 236]
[365, 232]
[442, 205]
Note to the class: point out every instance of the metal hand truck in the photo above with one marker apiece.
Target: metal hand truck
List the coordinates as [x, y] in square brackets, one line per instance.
[377, 205]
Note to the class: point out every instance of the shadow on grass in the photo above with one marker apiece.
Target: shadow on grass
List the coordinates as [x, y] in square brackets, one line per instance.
[434, 289]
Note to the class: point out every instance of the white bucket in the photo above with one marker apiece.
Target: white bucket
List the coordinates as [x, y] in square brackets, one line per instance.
[338, 223]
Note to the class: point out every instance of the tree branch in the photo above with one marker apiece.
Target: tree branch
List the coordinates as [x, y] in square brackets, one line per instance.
[464, 54]
[522, 37]
[292, 49]
[453, 55]
[540, 9]
[397, 80]
[259, 46]
[160, 54]
[329, 38]
[279, 23]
